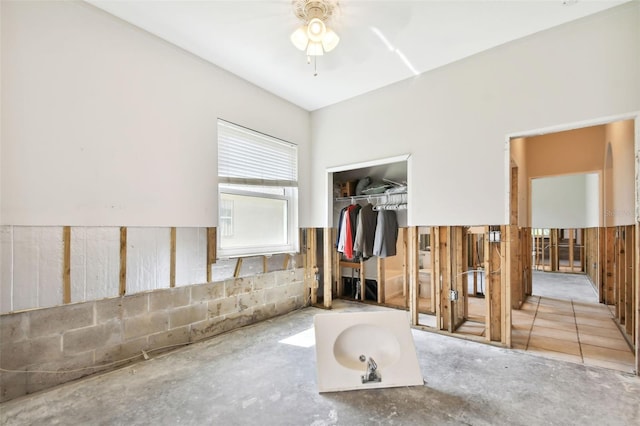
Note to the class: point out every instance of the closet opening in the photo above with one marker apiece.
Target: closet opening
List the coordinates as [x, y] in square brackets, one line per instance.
[369, 234]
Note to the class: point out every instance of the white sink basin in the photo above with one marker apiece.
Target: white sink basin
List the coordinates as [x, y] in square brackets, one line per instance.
[345, 342]
[367, 341]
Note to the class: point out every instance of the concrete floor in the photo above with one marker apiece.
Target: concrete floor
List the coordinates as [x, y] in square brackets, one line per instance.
[554, 285]
[247, 377]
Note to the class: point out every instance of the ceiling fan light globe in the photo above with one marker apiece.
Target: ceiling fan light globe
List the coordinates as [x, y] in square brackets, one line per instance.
[316, 30]
[299, 38]
[314, 49]
[330, 40]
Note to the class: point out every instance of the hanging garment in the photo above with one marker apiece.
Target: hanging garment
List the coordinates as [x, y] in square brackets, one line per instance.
[384, 244]
[365, 232]
[342, 230]
[351, 220]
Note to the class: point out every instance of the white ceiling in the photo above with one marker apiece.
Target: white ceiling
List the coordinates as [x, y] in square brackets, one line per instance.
[382, 42]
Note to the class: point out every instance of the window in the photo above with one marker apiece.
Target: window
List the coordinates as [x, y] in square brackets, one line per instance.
[257, 193]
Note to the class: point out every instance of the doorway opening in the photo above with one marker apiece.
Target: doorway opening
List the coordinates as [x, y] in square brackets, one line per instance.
[569, 196]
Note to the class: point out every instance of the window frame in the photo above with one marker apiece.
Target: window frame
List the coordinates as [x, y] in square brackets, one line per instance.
[249, 187]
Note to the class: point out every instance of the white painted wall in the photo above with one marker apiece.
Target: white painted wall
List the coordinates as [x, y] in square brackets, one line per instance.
[104, 124]
[454, 120]
[563, 202]
[592, 199]
[621, 137]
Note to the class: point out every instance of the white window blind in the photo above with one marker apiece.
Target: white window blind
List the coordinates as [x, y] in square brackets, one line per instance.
[257, 193]
[248, 157]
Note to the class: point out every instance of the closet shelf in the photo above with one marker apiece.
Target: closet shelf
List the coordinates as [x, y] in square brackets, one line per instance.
[381, 196]
[350, 264]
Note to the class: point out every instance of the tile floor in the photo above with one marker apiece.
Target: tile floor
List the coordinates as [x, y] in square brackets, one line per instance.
[570, 330]
[562, 321]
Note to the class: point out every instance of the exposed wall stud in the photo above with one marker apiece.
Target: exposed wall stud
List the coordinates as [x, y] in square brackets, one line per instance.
[236, 271]
[609, 272]
[312, 267]
[211, 251]
[381, 279]
[66, 270]
[172, 260]
[414, 267]
[327, 262]
[493, 282]
[123, 261]
[505, 288]
[629, 279]
[637, 296]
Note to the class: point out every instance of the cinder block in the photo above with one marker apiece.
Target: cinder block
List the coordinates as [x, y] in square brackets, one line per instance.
[207, 328]
[14, 327]
[285, 277]
[30, 352]
[173, 337]
[277, 294]
[250, 300]
[45, 349]
[296, 289]
[262, 281]
[144, 325]
[235, 286]
[108, 309]
[206, 292]
[122, 351]
[302, 301]
[261, 313]
[221, 307]
[69, 368]
[90, 338]
[169, 298]
[121, 307]
[285, 306]
[188, 315]
[299, 274]
[12, 385]
[237, 320]
[135, 304]
[15, 356]
[56, 320]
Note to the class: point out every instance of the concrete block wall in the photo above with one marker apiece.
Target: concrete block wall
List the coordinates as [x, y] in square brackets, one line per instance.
[50, 346]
